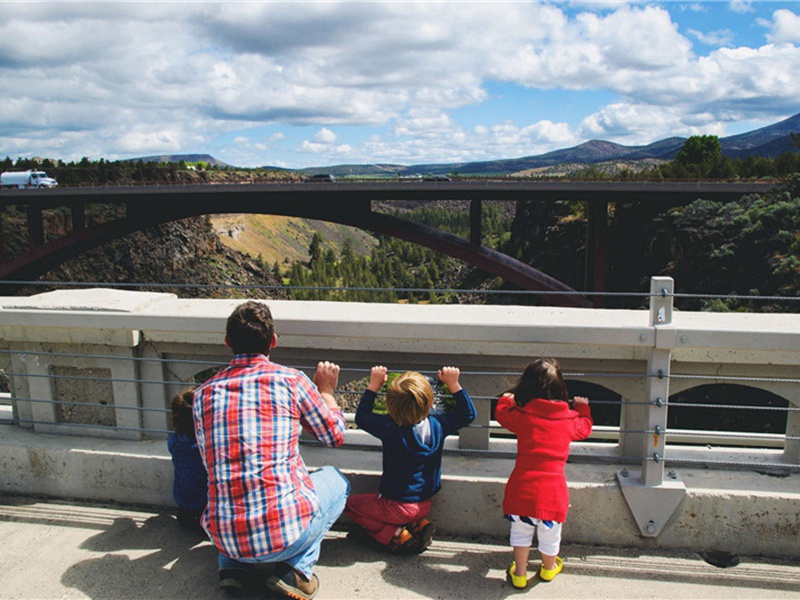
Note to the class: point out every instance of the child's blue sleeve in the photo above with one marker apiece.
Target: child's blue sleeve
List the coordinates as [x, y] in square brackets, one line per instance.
[462, 415]
[366, 419]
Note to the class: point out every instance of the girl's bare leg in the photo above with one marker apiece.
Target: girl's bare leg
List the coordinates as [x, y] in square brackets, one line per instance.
[521, 554]
[548, 562]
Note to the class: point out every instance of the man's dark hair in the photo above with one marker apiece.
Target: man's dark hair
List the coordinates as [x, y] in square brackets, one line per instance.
[250, 328]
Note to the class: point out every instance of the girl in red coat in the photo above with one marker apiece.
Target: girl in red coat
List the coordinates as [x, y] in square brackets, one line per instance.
[537, 411]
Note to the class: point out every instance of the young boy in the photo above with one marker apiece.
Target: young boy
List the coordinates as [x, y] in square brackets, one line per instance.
[412, 441]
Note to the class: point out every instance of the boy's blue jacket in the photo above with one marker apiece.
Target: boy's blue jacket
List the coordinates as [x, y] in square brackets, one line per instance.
[412, 470]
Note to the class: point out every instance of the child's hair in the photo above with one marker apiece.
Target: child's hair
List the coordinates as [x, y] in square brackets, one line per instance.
[250, 328]
[182, 412]
[541, 379]
[409, 398]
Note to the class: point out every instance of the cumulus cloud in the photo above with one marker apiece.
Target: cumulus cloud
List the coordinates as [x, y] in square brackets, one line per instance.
[122, 79]
[785, 27]
[325, 136]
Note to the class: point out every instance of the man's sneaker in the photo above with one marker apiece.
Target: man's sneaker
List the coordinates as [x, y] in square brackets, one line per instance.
[288, 582]
[549, 574]
[231, 580]
[518, 581]
[423, 534]
[403, 543]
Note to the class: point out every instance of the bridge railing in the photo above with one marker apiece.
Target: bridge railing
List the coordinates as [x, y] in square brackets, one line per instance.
[107, 362]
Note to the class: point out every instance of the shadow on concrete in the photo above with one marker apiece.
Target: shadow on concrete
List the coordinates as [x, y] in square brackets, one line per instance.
[154, 559]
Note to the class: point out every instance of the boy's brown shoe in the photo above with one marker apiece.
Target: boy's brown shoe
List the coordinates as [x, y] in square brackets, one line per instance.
[288, 582]
[423, 534]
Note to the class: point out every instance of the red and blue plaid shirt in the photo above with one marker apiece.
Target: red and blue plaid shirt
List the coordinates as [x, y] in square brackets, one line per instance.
[248, 420]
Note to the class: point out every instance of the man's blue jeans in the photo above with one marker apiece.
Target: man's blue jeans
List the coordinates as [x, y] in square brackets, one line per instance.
[332, 490]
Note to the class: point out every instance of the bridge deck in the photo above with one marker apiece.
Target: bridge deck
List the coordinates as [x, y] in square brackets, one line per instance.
[117, 552]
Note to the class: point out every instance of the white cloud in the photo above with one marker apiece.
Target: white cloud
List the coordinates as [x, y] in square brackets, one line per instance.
[721, 37]
[122, 79]
[785, 27]
[741, 6]
[325, 136]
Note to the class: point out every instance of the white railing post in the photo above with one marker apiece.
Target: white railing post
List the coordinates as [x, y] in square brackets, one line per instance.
[652, 500]
[661, 294]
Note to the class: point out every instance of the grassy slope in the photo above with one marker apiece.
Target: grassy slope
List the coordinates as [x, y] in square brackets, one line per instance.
[285, 239]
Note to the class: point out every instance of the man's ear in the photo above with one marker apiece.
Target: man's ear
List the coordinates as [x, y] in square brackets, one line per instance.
[227, 343]
[274, 341]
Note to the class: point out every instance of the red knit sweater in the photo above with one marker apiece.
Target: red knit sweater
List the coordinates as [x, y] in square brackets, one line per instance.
[538, 487]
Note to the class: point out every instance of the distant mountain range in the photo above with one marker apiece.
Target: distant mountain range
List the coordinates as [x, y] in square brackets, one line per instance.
[768, 141]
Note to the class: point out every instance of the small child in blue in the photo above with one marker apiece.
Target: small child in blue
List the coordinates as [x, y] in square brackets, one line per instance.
[190, 484]
[412, 440]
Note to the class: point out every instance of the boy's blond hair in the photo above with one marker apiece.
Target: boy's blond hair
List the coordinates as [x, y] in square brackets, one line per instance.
[409, 398]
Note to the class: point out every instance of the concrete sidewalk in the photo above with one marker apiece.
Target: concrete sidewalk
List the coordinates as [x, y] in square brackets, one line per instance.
[56, 549]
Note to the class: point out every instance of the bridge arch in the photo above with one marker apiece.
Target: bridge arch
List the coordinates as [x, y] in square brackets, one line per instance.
[348, 204]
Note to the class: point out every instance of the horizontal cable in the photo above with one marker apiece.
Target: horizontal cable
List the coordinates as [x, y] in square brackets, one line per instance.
[704, 433]
[731, 406]
[95, 405]
[735, 378]
[323, 288]
[486, 453]
[571, 374]
[217, 286]
[90, 426]
[731, 463]
[732, 296]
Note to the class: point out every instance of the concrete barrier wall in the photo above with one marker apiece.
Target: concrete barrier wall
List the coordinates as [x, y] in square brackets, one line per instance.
[740, 512]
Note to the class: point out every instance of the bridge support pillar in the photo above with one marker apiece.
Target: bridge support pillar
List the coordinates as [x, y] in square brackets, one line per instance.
[596, 250]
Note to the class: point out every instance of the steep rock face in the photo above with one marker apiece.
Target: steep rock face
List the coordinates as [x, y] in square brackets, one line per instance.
[182, 252]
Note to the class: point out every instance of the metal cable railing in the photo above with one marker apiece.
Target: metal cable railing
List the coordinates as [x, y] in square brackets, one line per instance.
[703, 436]
[347, 393]
[414, 290]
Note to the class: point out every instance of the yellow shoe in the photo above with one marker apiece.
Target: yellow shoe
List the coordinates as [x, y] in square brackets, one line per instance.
[549, 574]
[518, 581]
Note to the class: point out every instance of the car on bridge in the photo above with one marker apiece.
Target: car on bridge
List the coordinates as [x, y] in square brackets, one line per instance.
[322, 178]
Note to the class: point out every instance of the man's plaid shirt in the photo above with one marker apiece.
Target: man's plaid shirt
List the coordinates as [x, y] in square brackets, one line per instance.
[248, 421]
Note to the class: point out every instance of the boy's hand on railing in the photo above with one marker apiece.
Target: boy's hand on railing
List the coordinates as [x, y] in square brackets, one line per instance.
[449, 377]
[377, 377]
[580, 400]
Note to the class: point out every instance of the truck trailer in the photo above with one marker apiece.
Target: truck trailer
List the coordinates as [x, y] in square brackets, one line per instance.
[26, 180]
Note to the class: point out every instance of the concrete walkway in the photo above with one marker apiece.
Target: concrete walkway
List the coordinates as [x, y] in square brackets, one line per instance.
[56, 549]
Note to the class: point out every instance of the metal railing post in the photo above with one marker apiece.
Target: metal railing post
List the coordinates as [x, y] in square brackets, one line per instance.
[661, 295]
[652, 500]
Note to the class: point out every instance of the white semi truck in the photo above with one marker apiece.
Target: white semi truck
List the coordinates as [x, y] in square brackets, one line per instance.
[26, 180]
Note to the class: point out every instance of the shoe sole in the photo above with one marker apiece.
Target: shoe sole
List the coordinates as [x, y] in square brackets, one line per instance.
[231, 584]
[279, 586]
[425, 537]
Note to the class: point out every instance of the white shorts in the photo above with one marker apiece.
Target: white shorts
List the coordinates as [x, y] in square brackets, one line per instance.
[548, 534]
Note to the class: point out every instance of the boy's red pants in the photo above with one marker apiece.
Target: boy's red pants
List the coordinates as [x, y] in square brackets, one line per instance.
[381, 517]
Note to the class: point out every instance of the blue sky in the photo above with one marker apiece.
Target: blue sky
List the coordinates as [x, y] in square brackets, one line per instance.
[298, 84]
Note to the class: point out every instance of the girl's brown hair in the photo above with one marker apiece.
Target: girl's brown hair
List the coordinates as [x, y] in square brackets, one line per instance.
[409, 398]
[541, 379]
[181, 406]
